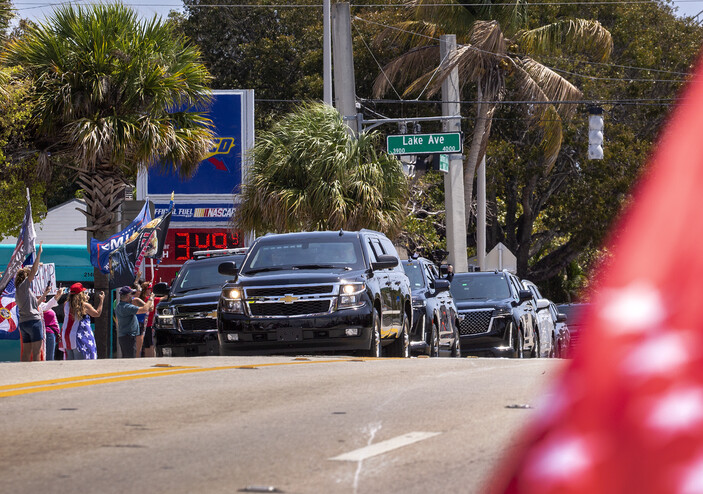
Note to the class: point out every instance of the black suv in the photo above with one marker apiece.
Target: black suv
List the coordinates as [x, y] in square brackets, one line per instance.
[435, 329]
[496, 313]
[316, 292]
[185, 323]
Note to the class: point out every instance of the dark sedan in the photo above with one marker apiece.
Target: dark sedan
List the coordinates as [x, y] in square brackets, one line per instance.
[496, 313]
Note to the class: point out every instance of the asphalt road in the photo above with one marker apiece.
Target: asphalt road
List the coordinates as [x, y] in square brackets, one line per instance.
[312, 425]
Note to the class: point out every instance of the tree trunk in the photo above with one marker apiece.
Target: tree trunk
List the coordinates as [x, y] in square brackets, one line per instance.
[473, 157]
[104, 193]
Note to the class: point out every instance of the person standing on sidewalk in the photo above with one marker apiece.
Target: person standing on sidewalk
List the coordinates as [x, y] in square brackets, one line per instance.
[30, 319]
[127, 323]
[51, 324]
[77, 337]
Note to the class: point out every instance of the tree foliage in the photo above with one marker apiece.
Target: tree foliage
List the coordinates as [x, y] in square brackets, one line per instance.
[309, 173]
[17, 167]
[556, 222]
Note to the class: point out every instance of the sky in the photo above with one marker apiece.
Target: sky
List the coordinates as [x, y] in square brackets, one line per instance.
[38, 10]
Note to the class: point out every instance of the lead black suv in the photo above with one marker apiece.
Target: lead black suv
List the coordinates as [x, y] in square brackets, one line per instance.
[497, 316]
[316, 292]
[185, 323]
[435, 330]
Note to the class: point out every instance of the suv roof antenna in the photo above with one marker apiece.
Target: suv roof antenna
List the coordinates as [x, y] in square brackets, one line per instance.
[341, 232]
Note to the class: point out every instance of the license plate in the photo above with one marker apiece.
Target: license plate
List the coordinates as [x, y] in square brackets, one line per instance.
[166, 352]
[232, 337]
[290, 334]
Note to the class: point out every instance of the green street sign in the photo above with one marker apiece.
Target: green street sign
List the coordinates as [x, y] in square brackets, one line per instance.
[444, 163]
[449, 142]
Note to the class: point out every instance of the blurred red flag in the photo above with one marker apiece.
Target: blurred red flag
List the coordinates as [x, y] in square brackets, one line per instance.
[626, 416]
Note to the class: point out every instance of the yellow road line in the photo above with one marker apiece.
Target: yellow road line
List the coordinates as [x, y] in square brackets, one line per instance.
[90, 376]
[90, 380]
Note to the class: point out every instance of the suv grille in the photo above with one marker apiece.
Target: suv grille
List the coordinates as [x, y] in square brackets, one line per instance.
[288, 290]
[475, 322]
[198, 324]
[294, 309]
[190, 309]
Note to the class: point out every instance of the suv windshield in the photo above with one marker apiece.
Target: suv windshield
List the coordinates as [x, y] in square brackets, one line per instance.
[305, 254]
[480, 287]
[198, 275]
[414, 274]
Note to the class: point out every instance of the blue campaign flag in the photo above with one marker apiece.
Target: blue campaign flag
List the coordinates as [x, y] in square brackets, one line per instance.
[100, 251]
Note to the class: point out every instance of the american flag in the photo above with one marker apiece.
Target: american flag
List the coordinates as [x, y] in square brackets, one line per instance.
[626, 415]
[23, 248]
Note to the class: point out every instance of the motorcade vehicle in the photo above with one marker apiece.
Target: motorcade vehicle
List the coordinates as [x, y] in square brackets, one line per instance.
[562, 334]
[435, 330]
[313, 292]
[185, 323]
[496, 315]
[574, 314]
[545, 324]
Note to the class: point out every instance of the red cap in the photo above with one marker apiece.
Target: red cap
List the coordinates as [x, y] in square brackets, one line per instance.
[77, 288]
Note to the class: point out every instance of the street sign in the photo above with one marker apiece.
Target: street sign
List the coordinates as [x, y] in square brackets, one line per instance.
[449, 142]
[444, 163]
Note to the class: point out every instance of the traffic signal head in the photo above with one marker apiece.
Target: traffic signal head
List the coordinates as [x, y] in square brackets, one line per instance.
[595, 136]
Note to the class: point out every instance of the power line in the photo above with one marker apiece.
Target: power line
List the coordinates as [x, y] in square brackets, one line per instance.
[503, 56]
[630, 102]
[637, 102]
[380, 5]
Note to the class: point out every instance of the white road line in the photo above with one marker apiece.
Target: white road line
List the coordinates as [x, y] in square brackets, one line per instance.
[385, 446]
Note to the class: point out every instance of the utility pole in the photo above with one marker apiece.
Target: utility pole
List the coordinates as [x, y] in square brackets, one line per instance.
[481, 214]
[344, 84]
[326, 53]
[454, 179]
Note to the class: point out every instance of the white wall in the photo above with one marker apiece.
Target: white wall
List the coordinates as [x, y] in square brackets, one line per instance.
[59, 225]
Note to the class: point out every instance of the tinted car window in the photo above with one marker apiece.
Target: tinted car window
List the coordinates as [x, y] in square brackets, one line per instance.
[198, 275]
[291, 254]
[414, 273]
[480, 288]
[571, 311]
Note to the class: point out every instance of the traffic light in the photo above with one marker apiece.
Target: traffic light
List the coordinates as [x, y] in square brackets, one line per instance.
[595, 134]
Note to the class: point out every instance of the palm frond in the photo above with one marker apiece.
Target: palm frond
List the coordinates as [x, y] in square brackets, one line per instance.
[406, 68]
[552, 85]
[571, 35]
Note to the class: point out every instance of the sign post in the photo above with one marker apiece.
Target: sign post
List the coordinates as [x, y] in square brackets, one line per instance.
[448, 142]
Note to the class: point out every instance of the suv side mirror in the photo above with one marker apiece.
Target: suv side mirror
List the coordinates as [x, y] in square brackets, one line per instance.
[561, 317]
[524, 295]
[385, 262]
[161, 289]
[441, 285]
[228, 268]
[542, 303]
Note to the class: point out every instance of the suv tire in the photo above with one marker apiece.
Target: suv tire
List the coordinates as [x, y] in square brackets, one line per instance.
[375, 350]
[434, 340]
[518, 344]
[400, 347]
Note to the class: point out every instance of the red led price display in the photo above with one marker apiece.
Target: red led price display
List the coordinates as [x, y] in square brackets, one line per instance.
[187, 241]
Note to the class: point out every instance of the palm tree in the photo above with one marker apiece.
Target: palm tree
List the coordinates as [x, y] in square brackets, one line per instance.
[309, 173]
[493, 49]
[113, 93]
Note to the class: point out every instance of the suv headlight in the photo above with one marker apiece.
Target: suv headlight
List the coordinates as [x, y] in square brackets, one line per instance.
[502, 312]
[164, 317]
[231, 300]
[418, 303]
[350, 295]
